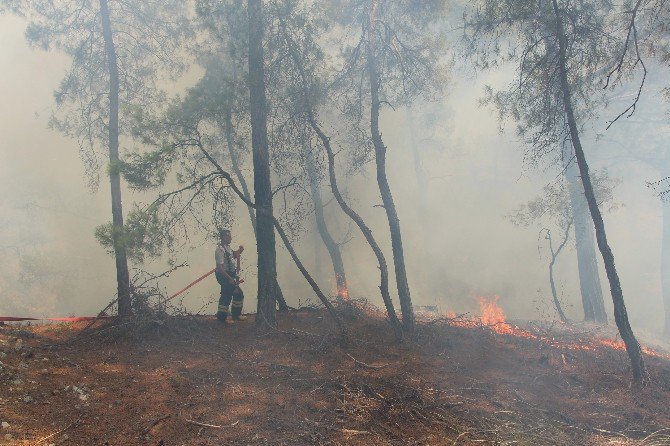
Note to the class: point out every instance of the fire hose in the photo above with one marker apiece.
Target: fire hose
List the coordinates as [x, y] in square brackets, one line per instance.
[236, 254]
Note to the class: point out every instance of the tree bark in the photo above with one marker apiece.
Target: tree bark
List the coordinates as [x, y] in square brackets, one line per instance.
[122, 275]
[587, 264]
[382, 181]
[265, 236]
[640, 375]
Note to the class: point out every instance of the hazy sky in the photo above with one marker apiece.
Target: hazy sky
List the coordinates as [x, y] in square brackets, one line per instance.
[461, 247]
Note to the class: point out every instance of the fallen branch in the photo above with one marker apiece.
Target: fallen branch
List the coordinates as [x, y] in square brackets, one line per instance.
[213, 426]
[56, 433]
[154, 423]
[355, 432]
[367, 366]
[197, 423]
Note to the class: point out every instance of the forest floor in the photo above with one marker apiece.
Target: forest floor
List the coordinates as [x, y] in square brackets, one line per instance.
[193, 381]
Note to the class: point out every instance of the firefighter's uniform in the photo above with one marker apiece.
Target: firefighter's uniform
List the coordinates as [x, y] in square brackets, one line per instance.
[232, 298]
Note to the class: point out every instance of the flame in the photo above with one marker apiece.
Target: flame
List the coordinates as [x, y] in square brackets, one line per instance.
[493, 318]
[492, 314]
[343, 292]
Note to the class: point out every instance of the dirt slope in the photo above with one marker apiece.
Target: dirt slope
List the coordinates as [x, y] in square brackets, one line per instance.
[448, 385]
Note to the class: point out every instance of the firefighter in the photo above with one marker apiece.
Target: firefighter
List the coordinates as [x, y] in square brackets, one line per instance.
[227, 276]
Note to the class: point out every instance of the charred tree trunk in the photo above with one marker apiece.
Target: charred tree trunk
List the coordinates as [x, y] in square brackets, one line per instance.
[587, 264]
[122, 275]
[333, 248]
[265, 235]
[640, 375]
[382, 181]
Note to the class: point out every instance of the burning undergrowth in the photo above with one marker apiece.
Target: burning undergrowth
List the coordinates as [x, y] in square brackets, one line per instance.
[458, 381]
[560, 336]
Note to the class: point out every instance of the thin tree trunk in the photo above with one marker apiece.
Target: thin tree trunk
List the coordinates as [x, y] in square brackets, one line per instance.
[640, 375]
[367, 233]
[265, 236]
[554, 256]
[382, 181]
[122, 275]
[333, 248]
[587, 264]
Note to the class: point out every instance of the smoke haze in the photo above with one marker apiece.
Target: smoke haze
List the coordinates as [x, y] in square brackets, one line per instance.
[458, 241]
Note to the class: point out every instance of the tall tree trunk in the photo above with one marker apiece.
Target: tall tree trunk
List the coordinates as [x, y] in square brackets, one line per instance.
[382, 181]
[587, 264]
[333, 248]
[265, 236]
[122, 275]
[640, 375]
[237, 170]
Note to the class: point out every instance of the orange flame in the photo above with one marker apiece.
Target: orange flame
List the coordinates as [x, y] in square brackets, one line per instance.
[492, 314]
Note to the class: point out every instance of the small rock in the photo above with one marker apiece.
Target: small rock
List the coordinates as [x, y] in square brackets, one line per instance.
[28, 399]
[3, 354]
[8, 436]
[23, 365]
[4, 425]
[17, 382]
[19, 345]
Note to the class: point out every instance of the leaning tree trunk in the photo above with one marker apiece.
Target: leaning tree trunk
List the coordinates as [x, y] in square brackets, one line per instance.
[265, 236]
[587, 264]
[367, 233]
[640, 375]
[382, 181]
[122, 275]
[331, 245]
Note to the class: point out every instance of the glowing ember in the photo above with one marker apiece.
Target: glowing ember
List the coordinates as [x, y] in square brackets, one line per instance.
[343, 292]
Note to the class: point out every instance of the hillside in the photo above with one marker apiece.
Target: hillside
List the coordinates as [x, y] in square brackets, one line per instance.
[191, 381]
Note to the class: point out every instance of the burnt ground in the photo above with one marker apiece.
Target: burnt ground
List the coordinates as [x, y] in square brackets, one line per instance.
[192, 381]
